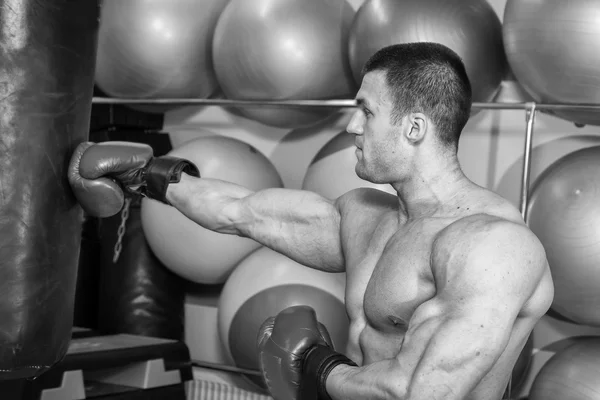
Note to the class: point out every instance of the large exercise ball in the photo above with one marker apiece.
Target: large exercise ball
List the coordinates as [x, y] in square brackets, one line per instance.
[284, 50]
[542, 156]
[469, 27]
[552, 47]
[520, 370]
[157, 48]
[331, 172]
[186, 248]
[564, 212]
[570, 374]
[261, 286]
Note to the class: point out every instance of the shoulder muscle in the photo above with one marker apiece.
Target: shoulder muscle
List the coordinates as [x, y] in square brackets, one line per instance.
[362, 212]
[488, 257]
[361, 209]
[364, 199]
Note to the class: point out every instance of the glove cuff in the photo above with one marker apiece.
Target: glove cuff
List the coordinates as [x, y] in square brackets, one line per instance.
[319, 361]
[165, 170]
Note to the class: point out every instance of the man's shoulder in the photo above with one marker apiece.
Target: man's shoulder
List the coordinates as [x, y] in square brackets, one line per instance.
[473, 229]
[362, 210]
[487, 217]
[366, 199]
[494, 255]
[490, 236]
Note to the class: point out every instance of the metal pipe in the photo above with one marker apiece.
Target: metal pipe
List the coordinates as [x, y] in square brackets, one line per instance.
[530, 118]
[340, 103]
[225, 368]
[539, 106]
[569, 107]
[499, 106]
[232, 103]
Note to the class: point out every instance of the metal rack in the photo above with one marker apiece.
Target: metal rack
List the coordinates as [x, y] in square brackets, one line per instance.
[530, 109]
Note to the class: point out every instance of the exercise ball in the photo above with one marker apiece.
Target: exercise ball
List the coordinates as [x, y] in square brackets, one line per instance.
[284, 50]
[331, 173]
[521, 370]
[542, 156]
[157, 48]
[191, 251]
[265, 283]
[551, 47]
[469, 27]
[564, 212]
[570, 374]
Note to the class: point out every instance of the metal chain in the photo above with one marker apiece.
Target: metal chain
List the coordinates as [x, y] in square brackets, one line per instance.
[121, 230]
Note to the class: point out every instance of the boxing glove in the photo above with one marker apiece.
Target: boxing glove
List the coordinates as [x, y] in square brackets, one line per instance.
[102, 174]
[284, 343]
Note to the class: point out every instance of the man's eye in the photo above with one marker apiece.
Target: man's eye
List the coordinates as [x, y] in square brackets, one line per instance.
[367, 112]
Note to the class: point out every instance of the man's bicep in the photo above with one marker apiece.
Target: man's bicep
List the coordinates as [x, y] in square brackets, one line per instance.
[455, 338]
[450, 352]
[299, 224]
[481, 294]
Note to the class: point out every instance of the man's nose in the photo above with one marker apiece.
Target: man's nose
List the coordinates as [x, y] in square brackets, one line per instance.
[355, 126]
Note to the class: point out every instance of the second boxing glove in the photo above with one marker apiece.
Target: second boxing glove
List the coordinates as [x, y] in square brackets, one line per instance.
[100, 175]
[283, 341]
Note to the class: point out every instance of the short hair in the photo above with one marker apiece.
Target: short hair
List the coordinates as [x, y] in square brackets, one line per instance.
[429, 78]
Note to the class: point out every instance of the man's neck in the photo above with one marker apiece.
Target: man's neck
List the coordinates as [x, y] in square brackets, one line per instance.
[433, 190]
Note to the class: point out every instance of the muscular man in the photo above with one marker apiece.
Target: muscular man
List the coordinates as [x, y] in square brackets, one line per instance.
[445, 282]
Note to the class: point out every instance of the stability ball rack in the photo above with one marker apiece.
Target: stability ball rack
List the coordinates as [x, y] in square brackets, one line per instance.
[530, 109]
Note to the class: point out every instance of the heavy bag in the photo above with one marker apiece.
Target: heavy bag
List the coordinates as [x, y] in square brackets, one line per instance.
[88, 275]
[47, 57]
[138, 295]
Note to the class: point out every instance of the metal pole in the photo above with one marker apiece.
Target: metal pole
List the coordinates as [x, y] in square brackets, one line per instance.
[333, 103]
[530, 118]
[225, 368]
[348, 103]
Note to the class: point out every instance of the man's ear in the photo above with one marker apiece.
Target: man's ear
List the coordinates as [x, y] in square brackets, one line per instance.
[416, 127]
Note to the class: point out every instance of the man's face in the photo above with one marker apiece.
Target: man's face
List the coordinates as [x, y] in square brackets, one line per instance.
[376, 139]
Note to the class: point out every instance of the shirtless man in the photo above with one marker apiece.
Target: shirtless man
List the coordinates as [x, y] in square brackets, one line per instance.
[445, 282]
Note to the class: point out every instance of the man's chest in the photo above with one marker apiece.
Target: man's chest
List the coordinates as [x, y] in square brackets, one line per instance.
[388, 279]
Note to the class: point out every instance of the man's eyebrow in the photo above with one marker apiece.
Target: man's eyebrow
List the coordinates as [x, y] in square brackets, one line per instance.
[361, 101]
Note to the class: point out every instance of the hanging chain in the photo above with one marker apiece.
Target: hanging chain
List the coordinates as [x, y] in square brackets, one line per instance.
[121, 230]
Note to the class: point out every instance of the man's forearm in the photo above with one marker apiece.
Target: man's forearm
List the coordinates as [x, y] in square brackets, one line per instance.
[382, 380]
[207, 201]
[299, 224]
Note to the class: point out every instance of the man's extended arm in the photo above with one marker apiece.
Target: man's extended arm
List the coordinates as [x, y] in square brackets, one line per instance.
[300, 224]
[455, 338]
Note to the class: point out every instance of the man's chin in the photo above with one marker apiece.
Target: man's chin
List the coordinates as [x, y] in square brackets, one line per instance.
[365, 176]
[361, 173]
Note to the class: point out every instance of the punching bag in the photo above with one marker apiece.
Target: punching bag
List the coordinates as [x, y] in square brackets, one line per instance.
[88, 275]
[47, 55]
[138, 295]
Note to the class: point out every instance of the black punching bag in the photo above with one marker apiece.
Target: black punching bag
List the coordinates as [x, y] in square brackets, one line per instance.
[138, 295]
[47, 57]
[88, 275]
